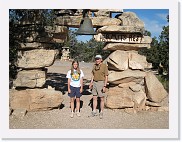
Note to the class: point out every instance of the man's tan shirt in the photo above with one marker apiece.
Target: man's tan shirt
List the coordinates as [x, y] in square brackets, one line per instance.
[99, 72]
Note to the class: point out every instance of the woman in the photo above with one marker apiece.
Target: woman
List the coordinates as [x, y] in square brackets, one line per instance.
[75, 86]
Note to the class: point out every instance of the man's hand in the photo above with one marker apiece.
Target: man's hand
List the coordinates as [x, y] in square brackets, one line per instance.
[104, 89]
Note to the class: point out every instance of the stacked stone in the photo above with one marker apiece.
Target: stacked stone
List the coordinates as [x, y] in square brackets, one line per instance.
[36, 52]
[72, 18]
[131, 84]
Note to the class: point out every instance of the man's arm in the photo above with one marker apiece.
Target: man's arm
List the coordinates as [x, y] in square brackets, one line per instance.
[105, 81]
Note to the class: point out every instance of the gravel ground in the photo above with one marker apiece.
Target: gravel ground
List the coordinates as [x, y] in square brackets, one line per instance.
[60, 118]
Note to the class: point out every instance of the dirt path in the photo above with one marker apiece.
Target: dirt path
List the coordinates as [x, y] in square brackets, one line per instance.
[60, 118]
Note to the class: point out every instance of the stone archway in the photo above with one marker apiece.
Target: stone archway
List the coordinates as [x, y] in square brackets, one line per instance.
[129, 81]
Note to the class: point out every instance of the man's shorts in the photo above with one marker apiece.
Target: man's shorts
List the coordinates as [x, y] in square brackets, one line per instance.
[75, 92]
[97, 88]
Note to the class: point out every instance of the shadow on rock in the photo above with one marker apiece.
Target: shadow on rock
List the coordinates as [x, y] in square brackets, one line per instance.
[60, 83]
[57, 81]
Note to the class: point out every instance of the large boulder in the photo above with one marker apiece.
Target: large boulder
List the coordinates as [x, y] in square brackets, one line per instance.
[34, 45]
[35, 99]
[119, 98]
[59, 33]
[139, 99]
[137, 61]
[120, 29]
[154, 89]
[118, 60]
[30, 78]
[42, 35]
[37, 58]
[104, 21]
[125, 46]
[56, 29]
[102, 13]
[74, 21]
[130, 19]
[105, 12]
[119, 77]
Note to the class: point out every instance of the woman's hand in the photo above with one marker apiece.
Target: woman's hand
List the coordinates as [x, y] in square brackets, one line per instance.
[81, 90]
[91, 85]
[69, 90]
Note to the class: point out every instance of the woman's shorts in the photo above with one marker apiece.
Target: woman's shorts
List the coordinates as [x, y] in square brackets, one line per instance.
[75, 92]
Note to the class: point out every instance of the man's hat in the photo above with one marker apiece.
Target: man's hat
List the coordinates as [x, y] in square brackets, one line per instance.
[98, 57]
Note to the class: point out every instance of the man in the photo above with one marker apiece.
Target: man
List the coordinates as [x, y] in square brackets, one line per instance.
[98, 84]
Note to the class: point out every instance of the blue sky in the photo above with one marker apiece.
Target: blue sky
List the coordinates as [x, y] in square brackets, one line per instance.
[154, 20]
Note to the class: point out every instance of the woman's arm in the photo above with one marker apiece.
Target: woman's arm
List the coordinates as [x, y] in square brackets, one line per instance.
[81, 85]
[69, 90]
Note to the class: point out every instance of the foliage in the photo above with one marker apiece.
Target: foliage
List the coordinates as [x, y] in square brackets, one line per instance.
[158, 55]
[84, 51]
[164, 81]
[13, 48]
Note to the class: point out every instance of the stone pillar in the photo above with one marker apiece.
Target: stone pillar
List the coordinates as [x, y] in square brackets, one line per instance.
[36, 52]
[128, 70]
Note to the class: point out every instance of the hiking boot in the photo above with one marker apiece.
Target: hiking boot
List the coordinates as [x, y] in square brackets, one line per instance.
[93, 114]
[78, 114]
[72, 114]
[101, 115]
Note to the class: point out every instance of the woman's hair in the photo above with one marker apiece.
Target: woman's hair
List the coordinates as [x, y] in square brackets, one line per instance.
[78, 68]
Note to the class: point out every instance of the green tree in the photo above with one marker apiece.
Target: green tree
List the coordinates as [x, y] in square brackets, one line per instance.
[84, 51]
[158, 55]
[164, 51]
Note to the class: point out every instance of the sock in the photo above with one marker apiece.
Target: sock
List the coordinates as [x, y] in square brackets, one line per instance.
[94, 110]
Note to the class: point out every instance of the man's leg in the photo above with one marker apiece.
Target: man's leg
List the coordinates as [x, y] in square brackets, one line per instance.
[101, 107]
[94, 103]
[102, 104]
[77, 104]
[94, 112]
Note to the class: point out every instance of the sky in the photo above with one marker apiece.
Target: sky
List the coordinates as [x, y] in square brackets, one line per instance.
[154, 20]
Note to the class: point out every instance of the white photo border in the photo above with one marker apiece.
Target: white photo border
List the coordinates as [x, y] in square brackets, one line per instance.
[171, 133]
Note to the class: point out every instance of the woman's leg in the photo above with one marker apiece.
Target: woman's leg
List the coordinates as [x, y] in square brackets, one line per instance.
[72, 99]
[77, 104]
